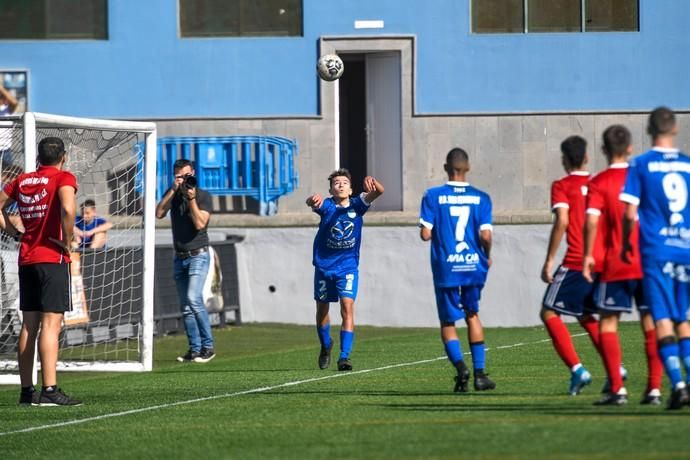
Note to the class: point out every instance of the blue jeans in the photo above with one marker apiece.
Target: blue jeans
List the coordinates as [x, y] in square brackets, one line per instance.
[190, 274]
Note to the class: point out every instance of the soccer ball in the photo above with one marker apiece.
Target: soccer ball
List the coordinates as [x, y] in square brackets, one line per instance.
[330, 67]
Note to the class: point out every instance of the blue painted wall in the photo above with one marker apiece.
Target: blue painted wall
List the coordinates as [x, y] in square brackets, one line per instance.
[146, 70]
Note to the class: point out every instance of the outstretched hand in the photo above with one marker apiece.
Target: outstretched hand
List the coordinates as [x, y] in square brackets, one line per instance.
[369, 184]
[315, 201]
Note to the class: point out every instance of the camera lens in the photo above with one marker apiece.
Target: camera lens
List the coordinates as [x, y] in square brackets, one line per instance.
[190, 181]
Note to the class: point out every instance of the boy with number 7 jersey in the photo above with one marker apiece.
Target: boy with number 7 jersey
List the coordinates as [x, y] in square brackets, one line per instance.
[456, 218]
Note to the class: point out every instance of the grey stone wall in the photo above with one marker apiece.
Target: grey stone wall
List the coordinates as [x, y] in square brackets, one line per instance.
[395, 287]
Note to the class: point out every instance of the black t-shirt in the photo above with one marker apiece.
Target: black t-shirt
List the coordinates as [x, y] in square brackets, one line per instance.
[185, 236]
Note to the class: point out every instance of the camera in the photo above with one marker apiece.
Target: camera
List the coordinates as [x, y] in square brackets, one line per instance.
[189, 182]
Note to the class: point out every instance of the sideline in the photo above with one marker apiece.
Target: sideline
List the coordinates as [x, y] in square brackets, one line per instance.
[251, 391]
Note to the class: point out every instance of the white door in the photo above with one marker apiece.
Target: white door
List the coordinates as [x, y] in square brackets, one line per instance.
[384, 126]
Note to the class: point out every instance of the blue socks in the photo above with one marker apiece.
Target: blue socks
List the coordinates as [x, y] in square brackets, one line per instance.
[478, 355]
[453, 351]
[668, 352]
[324, 333]
[684, 349]
[346, 339]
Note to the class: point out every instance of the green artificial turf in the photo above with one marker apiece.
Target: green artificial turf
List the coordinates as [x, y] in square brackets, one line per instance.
[239, 406]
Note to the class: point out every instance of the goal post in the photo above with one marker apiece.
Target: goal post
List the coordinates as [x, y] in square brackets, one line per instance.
[111, 326]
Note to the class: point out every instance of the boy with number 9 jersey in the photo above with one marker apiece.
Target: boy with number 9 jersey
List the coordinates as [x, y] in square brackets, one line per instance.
[456, 218]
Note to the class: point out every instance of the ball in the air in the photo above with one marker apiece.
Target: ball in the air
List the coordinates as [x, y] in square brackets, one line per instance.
[330, 67]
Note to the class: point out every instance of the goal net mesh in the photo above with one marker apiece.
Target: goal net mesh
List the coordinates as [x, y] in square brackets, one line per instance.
[105, 324]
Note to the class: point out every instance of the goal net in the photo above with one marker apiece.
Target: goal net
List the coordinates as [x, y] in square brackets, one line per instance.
[110, 327]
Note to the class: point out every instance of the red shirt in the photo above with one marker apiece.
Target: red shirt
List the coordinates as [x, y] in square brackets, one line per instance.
[602, 199]
[570, 192]
[36, 194]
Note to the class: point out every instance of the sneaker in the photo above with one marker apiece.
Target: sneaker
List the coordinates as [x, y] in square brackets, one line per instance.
[57, 398]
[613, 399]
[483, 382]
[607, 384]
[679, 397]
[325, 356]
[344, 364]
[29, 398]
[188, 357]
[578, 380]
[462, 379]
[653, 398]
[206, 355]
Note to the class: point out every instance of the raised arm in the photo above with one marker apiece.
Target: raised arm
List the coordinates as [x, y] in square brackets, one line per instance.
[372, 188]
[314, 201]
[560, 224]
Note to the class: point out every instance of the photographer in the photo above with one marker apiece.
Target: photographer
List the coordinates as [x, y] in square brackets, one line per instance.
[190, 210]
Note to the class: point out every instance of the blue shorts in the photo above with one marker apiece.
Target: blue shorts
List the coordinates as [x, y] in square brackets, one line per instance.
[667, 290]
[331, 286]
[454, 303]
[617, 296]
[570, 293]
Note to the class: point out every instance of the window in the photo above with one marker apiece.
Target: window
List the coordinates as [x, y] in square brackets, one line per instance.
[520, 16]
[497, 16]
[240, 18]
[54, 19]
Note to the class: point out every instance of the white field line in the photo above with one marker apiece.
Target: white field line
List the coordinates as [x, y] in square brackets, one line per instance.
[246, 392]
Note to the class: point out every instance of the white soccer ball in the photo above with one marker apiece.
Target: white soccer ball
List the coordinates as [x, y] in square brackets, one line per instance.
[330, 67]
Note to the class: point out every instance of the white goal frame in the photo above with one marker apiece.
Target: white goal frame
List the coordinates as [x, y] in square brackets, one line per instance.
[29, 123]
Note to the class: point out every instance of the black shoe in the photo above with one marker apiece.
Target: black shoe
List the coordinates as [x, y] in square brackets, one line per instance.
[613, 399]
[679, 398]
[462, 379]
[206, 355]
[483, 382]
[325, 356]
[188, 357]
[653, 398]
[57, 398]
[344, 364]
[29, 398]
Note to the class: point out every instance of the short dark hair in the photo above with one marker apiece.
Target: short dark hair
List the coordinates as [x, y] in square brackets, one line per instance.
[51, 151]
[574, 149]
[457, 155]
[88, 203]
[181, 163]
[616, 139]
[662, 120]
[342, 172]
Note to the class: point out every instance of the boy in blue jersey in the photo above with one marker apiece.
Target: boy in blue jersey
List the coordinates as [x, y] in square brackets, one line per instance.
[456, 217]
[336, 259]
[656, 189]
[91, 231]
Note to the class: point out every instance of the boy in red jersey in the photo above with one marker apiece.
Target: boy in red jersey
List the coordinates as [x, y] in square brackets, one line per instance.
[568, 292]
[47, 207]
[619, 281]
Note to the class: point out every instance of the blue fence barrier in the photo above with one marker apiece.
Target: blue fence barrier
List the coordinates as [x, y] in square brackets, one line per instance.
[260, 167]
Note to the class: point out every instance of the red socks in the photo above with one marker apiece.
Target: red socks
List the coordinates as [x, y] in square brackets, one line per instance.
[655, 369]
[612, 355]
[562, 341]
[591, 325]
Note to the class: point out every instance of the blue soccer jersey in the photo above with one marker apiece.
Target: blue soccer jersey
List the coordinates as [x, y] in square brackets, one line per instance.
[456, 212]
[337, 242]
[658, 183]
